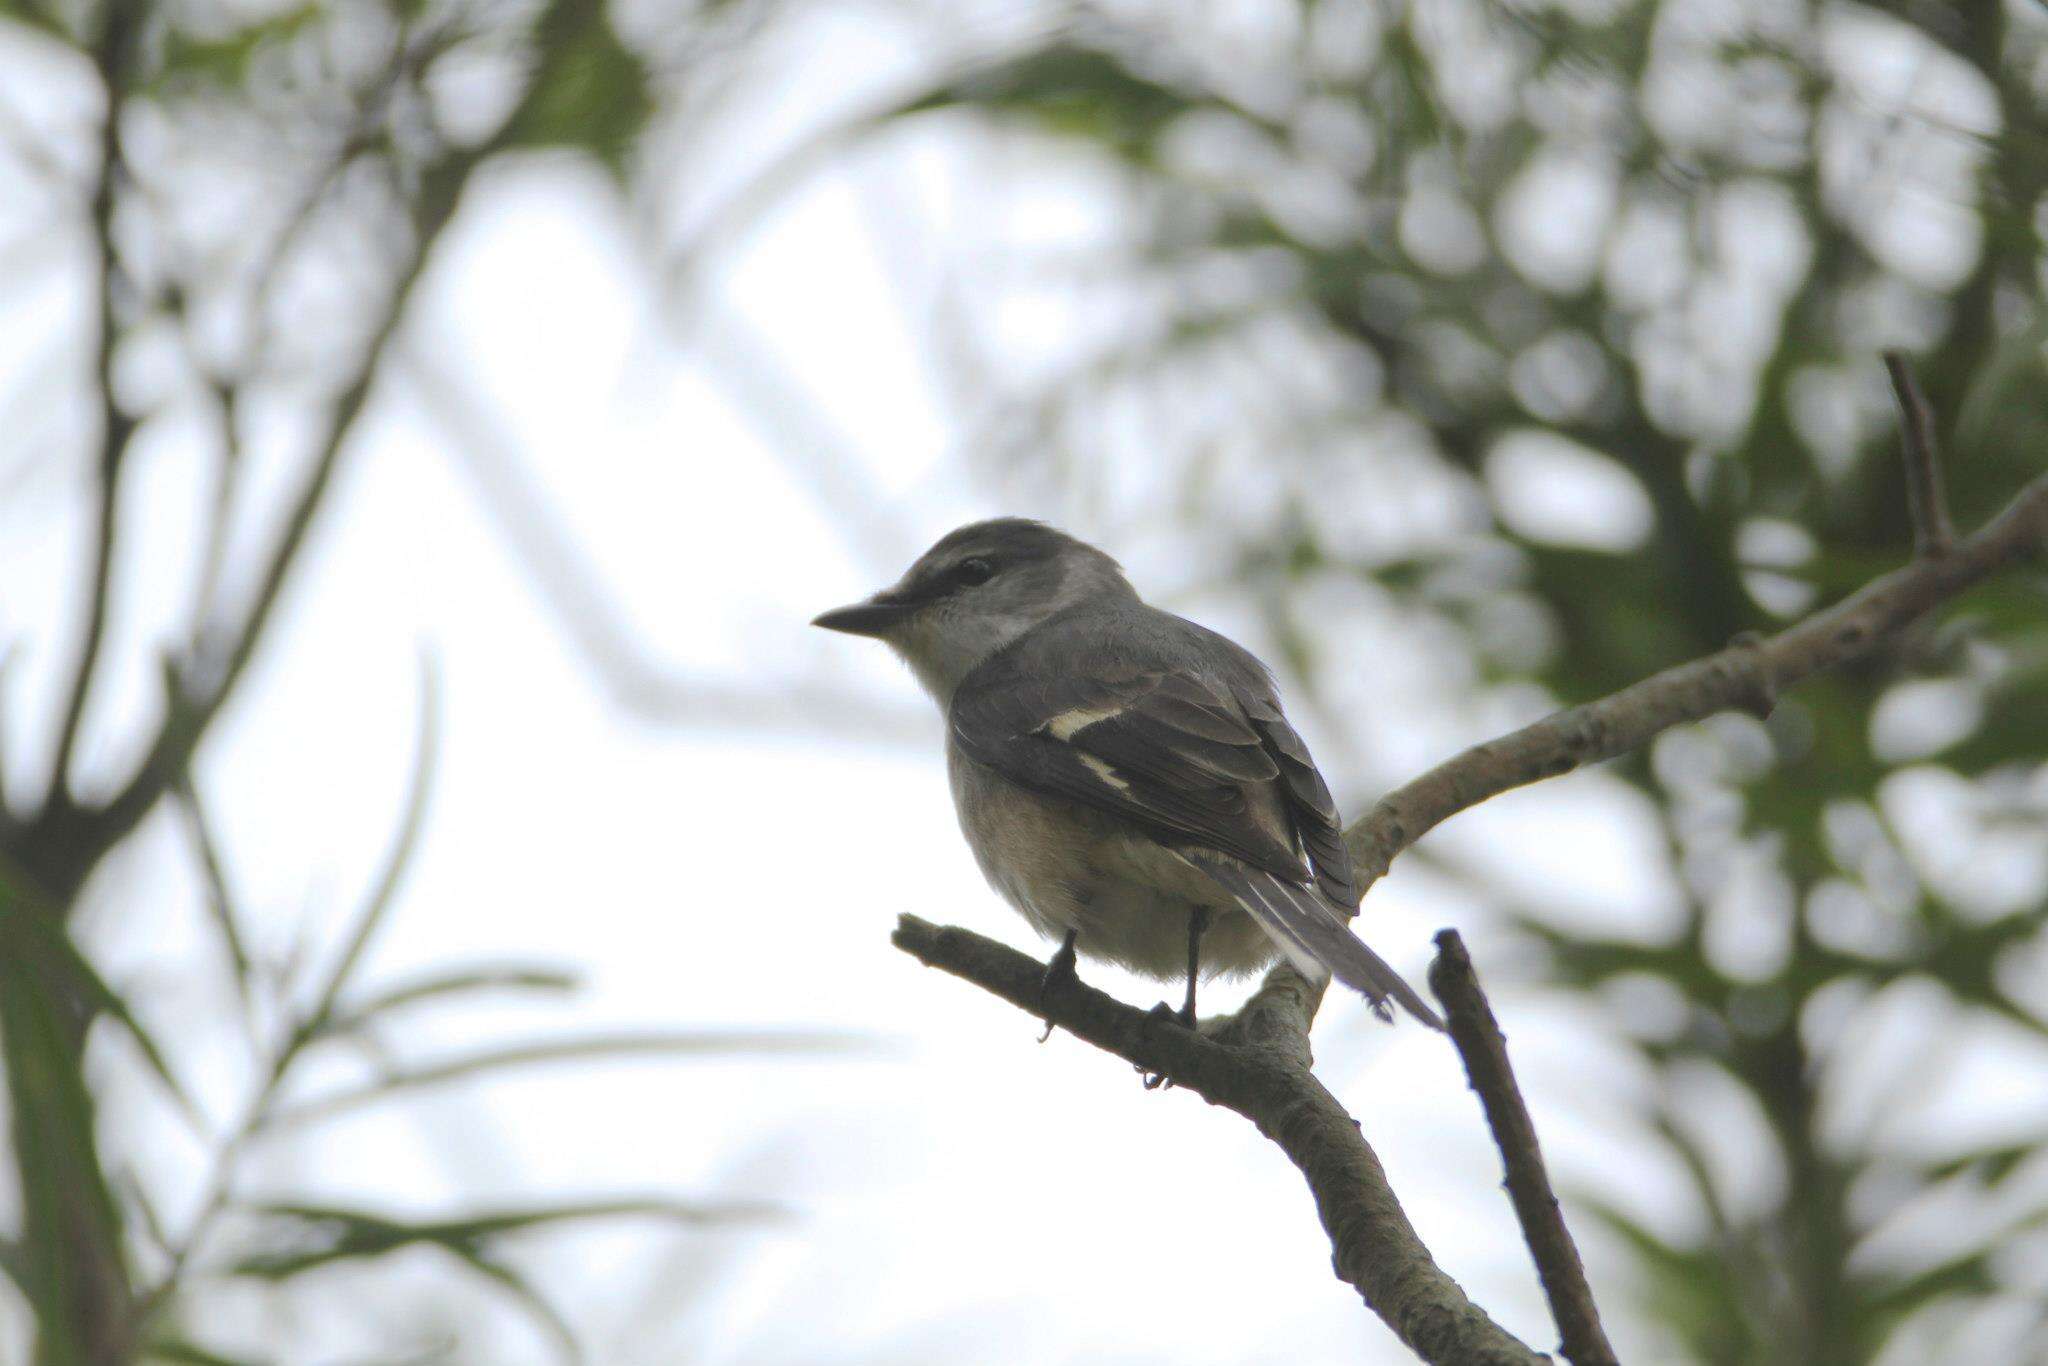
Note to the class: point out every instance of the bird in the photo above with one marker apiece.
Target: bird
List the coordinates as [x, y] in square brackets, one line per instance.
[1126, 778]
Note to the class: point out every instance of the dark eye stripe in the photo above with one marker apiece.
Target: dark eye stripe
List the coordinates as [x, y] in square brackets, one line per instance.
[971, 571]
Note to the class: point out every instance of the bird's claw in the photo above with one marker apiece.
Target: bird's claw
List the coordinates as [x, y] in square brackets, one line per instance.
[1163, 1011]
[1059, 973]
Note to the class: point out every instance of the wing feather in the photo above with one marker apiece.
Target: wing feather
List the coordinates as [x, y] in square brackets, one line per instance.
[1200, 756]
[1156, 747]
[1315, 937]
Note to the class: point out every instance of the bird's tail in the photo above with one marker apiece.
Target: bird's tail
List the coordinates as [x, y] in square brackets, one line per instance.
[1316, 938]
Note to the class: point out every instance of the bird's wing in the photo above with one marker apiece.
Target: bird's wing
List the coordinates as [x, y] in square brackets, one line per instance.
[1207, 767]
[1161, 748]
[1309, 803]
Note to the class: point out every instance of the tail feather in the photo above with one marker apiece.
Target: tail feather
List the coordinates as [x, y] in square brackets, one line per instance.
[1315, 936]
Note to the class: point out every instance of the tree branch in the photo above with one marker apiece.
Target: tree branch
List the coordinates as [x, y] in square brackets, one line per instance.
[66, 842]
[1480, 1043]
[1257, 1063]
[1926, 496]
[1376, 1249]
[1749, 674]
[110, 57]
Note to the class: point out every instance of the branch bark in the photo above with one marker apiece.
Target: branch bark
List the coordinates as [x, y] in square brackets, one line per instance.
[1484, 1048]
[1749, 674]
[1247, 1071]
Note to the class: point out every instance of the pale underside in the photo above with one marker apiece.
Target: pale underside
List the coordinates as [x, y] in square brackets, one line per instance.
[1129, 898]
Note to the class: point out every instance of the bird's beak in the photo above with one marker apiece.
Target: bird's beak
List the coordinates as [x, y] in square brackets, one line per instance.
[875, 617]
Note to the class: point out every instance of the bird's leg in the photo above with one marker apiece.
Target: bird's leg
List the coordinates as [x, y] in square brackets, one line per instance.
[1058, 973]
[1198, 921]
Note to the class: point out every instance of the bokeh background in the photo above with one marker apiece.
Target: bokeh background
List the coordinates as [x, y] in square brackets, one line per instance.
[458, 931]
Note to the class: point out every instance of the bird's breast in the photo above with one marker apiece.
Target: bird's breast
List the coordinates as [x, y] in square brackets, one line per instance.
[1034, 850]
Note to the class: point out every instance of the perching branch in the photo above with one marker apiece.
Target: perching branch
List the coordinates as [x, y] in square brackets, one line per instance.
[1257, 1063]
[1375, 1248]
[1480, 1043]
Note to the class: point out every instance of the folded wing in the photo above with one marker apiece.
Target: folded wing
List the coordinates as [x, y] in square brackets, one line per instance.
[1207, 766]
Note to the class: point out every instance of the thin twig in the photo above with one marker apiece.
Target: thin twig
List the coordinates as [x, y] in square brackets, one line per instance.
[1375, 1248]
[117, 427]
[1926, 494]
[1484, 1049]
[220, 654]
[219, 893]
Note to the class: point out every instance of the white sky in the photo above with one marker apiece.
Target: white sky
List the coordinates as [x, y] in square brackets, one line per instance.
[961, 1193]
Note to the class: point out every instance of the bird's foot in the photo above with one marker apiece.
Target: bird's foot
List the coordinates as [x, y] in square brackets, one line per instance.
[1184, 1016]
[1059, 974]
[1163, 1011]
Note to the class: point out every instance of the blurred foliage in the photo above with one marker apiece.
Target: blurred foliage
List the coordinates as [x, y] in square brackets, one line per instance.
[1549, 327]
[260, 198]
[1641, 256]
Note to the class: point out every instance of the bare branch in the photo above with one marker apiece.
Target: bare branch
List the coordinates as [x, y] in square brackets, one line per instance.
[66, 841]
[1749, 674]
[221, 654]
[1258, 1062]
[220, 896]
[1376, 1250]
[1484, 1049]
[110, 56]
[1926, 495]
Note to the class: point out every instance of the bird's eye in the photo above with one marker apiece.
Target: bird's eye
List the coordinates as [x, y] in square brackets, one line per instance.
[970, 572]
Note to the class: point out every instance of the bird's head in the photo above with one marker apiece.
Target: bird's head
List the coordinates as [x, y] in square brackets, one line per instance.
[977, 590]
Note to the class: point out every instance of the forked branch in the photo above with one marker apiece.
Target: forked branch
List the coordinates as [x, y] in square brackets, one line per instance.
[1257, 1063]
[1375, 1248]
[1469, 1017]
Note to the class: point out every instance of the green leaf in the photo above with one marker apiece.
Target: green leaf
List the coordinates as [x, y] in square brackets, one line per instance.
[1882, 1313]
[220, 901]
[43, 941]
[523, 1293]
[377, 906]
[224, 60]
[440, 987]
[1988, 1165]
[315, 1236]
[35, 16]
[1068, 91]
[181, 1352]
[588, 90]
[70, 1244]
[1691, 1291]
[486, 1062]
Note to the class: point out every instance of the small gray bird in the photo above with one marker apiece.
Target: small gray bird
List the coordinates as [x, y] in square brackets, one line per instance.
[1125, 777]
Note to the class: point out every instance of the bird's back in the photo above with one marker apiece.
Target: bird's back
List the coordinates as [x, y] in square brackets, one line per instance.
[1176, 730]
